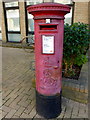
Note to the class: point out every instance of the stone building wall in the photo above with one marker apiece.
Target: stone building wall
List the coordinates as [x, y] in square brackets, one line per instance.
[22, 19]
[81, 12]
[2, 21]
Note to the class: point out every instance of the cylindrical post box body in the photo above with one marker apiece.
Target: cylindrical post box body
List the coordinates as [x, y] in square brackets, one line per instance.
[49, 29]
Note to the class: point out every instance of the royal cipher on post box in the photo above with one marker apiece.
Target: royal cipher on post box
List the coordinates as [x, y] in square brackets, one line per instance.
[49, 30]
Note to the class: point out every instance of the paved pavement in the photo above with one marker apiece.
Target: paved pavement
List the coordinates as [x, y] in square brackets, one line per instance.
[18, 95]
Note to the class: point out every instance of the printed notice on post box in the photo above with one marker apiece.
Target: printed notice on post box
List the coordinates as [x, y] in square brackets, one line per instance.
[48, 44]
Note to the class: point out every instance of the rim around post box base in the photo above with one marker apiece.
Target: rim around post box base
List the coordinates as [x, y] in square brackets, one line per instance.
[48, 106]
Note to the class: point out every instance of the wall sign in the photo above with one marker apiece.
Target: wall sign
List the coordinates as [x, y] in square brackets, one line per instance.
[48, 44]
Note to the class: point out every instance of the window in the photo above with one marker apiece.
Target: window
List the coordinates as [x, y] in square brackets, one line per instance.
[12, 4]
[29, 20]
[14, 37]
[12, 21]
[69, 16]
[63, 1]
[31, 38]
[33, 2]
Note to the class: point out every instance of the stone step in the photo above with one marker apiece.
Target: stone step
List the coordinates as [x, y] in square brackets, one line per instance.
[76, 95]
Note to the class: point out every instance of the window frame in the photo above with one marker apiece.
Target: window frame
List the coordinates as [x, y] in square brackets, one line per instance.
[26, 21]
[6, 23]
[73, 6]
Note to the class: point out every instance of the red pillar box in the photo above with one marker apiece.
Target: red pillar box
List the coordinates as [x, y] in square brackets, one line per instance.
[49, 29]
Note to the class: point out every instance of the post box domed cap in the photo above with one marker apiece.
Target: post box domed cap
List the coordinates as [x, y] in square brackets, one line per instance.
[49, 6]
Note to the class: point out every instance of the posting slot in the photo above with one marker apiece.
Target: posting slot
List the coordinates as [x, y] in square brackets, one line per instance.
[48, 27]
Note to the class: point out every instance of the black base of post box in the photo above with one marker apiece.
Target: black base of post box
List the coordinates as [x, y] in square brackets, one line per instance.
[48, 106]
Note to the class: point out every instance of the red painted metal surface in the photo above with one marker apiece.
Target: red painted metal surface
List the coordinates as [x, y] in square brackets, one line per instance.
[49, 66]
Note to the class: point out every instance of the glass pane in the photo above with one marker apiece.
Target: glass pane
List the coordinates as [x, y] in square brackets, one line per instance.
[68, 17]
[0, 36]
[14, 37]
[33, 2]
[13, 20]
[63, 1]
[30, 22]
[11, 4]
[31, 38]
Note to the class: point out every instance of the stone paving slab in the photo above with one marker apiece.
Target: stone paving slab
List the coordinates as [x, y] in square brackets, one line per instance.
[18, 95]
